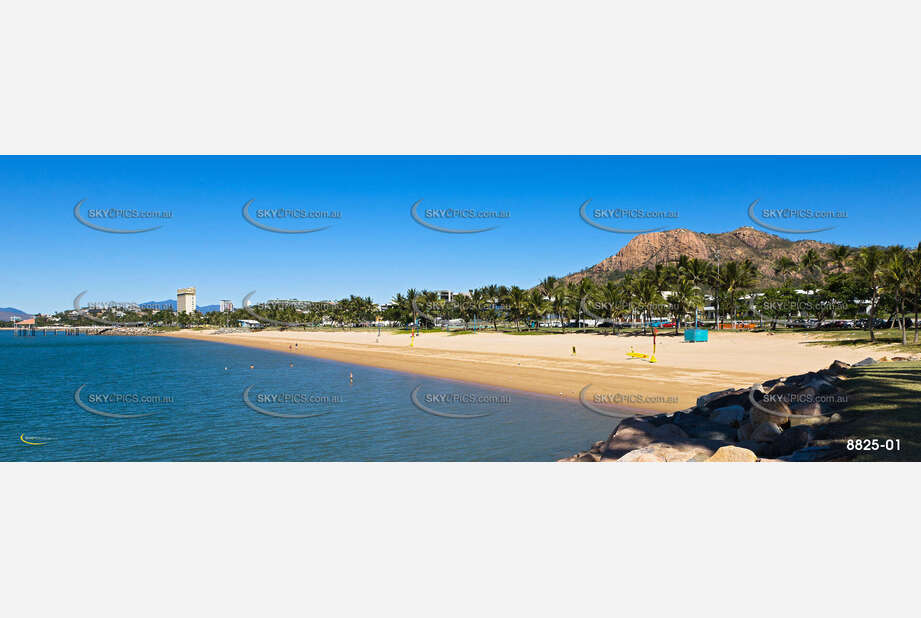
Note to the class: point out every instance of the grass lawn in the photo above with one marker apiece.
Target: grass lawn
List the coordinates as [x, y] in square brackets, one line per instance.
[884, 403]
[889, 339]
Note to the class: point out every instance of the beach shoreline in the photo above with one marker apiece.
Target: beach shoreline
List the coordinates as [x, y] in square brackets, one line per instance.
[600, 370]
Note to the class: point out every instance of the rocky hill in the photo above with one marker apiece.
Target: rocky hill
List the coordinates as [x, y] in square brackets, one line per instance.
[647, 250]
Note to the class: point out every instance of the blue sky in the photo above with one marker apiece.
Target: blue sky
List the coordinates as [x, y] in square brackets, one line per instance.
[376, 249]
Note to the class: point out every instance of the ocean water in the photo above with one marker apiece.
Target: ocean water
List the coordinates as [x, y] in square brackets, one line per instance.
[161, 399]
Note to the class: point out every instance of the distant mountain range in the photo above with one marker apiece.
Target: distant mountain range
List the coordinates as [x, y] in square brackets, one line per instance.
[7, 312]
[171, 303]
[647, 250]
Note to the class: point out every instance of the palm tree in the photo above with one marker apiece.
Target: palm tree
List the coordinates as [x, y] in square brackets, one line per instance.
[734, 277]
[492, 293]
[429, 301]
[647, 295]
[811, 264]
[839, 256]
[682, 265]
[629, 285]
[477, 297]
[583, 290]
[537, 306]
[784, 266]
[515, 301]
[915, 279]
[464, 304]
[895, 281]
[616, 299]
[558, 302]
[698, 271]
[411, 297]
[684, 297]
[868, 265]
[548, 285]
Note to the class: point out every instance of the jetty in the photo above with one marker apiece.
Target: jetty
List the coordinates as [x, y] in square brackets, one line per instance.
[31, 330]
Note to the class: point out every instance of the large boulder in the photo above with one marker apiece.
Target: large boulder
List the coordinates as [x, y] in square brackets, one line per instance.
[635, 433]
[810, 409]
[729, 415]
[745, 431]
[660, 452]
[838, 368]
[800, 379]
[824, 384]
[737, 398]
[770, 411]
[790, 441]
[865, 362]
[766, 432]
[719, 399]
[670, 433]
[702, 428]
[733, 453]
[810, 414]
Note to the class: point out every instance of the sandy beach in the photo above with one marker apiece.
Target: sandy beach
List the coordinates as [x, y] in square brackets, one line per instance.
[545, 364]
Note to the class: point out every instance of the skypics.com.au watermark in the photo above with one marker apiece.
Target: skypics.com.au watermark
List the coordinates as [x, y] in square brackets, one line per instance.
[801, 399]
[95, 217]
[290, 404]
[444, 404]
[461, 217]
[635, 399]
[620, 215]
[796, 311]
[792, 214]
[797, 401]
[121, 405]
[268, 219]
[622, 404]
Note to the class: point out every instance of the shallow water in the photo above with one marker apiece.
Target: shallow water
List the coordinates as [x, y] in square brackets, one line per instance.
[191, 393]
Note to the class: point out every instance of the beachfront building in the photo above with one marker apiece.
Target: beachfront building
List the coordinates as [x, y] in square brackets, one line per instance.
[185, 300]
[248, 324]
[448, 295]
[226, 306]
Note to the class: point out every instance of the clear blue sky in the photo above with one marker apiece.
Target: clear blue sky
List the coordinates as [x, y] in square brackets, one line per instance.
[377, 249]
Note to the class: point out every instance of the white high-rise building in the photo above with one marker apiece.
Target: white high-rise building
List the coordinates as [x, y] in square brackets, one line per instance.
[185, 300]
[226, 306]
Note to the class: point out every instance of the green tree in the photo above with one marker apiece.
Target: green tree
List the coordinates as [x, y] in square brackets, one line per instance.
[868, 267]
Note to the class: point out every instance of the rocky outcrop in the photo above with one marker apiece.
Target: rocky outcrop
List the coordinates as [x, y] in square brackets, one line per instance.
[128, 331]
[647, 250]
[774, 421]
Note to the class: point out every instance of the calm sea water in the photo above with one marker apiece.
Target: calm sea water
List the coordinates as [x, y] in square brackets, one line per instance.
[192, 395]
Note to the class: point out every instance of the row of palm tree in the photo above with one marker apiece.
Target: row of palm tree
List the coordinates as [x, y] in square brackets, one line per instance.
[838, 282]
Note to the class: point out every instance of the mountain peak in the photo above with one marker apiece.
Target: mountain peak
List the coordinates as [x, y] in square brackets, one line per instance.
[647, 250]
